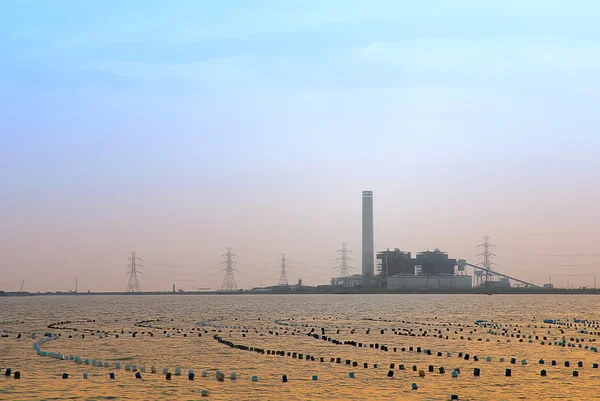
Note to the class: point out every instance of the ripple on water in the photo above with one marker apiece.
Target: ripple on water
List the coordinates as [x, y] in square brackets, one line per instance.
[41, 376]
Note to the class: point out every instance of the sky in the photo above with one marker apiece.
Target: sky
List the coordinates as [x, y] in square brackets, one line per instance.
[177, 129]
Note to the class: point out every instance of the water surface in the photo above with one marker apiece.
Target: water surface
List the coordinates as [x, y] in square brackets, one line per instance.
[407, 321]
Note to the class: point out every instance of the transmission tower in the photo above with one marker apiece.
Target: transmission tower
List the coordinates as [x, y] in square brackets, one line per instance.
[283, 278]
[344, 265]
[229, 279]
[133, 285]
[486, 261]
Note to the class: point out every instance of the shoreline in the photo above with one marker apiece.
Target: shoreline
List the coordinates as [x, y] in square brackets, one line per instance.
[515, 291]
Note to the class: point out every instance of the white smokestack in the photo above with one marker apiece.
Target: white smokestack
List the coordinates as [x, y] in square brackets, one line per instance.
[368, 247]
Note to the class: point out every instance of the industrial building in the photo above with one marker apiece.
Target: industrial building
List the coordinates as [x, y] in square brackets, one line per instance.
[352, 281]
[399, 282]
[429, 269]
[426, 263]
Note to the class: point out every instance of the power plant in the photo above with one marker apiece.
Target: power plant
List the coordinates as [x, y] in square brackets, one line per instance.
[398, 270]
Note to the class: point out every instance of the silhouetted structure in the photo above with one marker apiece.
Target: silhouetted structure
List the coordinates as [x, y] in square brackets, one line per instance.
[429, 269]
[395, 262]
[368, 247]
[486, 276]
[283, 278]
[434, 263]
[133, 285]
[229, 283]
[427, 263]
[345, 260]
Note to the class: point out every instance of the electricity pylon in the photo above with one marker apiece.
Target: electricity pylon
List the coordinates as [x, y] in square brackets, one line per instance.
[229, 283]
[133, 285]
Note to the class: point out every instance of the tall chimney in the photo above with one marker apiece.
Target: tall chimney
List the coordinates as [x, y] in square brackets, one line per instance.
[368, 251]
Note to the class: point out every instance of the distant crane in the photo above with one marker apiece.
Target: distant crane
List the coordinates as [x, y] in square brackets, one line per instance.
[22, 284]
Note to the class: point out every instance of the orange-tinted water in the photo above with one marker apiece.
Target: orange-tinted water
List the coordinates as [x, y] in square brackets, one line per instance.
[41, 376]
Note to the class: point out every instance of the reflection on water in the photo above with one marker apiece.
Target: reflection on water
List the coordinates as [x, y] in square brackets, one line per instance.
[440, 323]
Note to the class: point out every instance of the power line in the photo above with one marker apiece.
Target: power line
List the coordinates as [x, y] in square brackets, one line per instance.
[159, 273]
[194, 271]
[133, 285]
[550, 265]
[572, 275]
[544, 264]
[283, 278]
[581, 255]
[229, 283]
[167, 265]
[186, 265]
[574, 255]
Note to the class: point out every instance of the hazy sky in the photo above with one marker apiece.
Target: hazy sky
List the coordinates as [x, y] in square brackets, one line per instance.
[176, 129]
